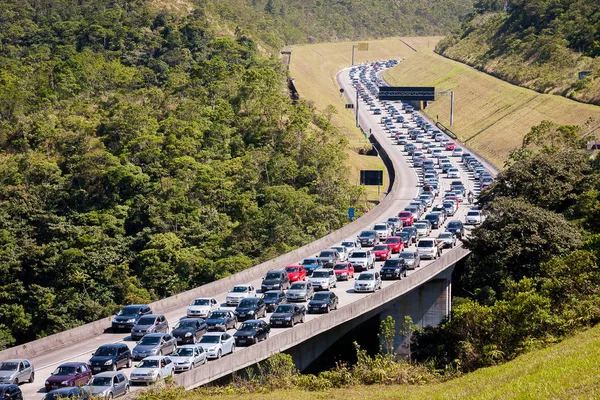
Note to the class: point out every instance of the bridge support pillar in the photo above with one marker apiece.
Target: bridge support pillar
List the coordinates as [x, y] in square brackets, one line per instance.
[427, 305]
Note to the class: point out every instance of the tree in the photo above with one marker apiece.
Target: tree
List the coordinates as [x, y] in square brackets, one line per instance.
[513, 241]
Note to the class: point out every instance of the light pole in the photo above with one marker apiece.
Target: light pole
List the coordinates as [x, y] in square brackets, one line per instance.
[357, 125]
[353, 46]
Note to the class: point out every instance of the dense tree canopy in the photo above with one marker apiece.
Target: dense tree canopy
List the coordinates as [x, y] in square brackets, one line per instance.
[141, 154]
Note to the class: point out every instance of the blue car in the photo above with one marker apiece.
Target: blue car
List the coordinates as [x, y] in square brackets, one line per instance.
[310, 264]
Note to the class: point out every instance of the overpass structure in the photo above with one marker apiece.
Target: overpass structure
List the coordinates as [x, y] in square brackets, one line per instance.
[425, 294]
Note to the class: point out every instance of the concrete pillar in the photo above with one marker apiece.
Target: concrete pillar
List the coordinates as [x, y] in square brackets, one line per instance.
[427, 305]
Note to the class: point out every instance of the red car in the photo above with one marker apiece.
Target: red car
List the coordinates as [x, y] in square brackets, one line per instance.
[296, 273]
[406, 217]
[450, 146]
[343, 271]
[382, 252]
[395, 243]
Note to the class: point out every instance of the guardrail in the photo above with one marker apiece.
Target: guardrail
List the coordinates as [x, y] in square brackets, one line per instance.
[66, 338]
[446, 130]
[251, 355]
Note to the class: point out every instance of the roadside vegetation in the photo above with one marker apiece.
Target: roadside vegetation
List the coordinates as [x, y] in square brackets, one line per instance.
[142, 155]
[566, 370]
[539, 44]
[285, 22]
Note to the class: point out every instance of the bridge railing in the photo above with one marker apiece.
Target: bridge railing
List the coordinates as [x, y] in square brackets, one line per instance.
[302, 332]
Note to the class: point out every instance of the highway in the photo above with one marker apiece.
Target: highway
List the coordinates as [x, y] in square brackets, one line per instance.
[408, 188]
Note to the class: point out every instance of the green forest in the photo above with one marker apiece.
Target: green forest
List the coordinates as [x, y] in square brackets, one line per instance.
[284, 22]
[143, 154]
[540, 44]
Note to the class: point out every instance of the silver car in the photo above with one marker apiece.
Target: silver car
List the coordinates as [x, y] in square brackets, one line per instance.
[300, 291]
[16, 371]
[107, 385]
[188, 357]
[154, 344]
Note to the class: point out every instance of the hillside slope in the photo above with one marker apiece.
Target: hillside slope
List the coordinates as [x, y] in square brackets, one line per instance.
[491, 116]
[567, 370]
[537, 44]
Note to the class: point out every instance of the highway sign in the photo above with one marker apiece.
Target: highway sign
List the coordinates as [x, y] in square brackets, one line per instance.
[407, 93]
[351, 212]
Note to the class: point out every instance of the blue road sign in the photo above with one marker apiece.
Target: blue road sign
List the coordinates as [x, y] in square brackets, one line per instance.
[351, 212]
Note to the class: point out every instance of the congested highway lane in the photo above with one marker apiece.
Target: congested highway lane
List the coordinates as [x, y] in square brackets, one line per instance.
[409, 187]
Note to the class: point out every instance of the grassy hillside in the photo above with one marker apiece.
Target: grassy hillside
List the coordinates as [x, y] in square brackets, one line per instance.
[567, 370]
[490, 115]
[538, 44]
[314, 68]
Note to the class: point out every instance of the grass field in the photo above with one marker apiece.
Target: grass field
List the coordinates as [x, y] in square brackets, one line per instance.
[567, 370]
[314, 68]
[490, 115]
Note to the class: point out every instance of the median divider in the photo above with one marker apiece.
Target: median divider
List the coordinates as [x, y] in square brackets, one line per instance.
[66, 338]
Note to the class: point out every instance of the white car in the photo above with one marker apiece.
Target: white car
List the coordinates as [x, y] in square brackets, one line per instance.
[217, 344]
[457, 152]
[201, 307]
[323, 279]
[430, 248]
[351, 245]
[152, 369]
[453, 173]
[361, 259]
[343, 252]
[473, 217]
[368, 282]
[383, 230]
[422, 228]
[239, 292]
[188, 356]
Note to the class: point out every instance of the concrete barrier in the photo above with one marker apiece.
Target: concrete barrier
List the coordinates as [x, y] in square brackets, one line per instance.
[302, 332]
[66, 338]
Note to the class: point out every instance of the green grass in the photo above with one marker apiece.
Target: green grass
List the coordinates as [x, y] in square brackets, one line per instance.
[314, 68]
[568, 370]
[490, 115]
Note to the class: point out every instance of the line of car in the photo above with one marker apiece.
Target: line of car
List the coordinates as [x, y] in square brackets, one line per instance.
[203, 333]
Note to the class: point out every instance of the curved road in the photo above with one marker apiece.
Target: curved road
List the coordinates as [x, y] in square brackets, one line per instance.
[406, 187]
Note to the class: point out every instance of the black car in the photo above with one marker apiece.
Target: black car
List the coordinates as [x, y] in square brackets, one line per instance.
[221, 320]
[288, 314]
[275, 279]
[189, 330]
[412, 232]
[252, 332]
[435, 220]
[128, 317]
[251, 308]
[323, 302]
[393, 268]
[110, 357]
[368, 238]
[273, 298]
[10, 391]
[456, 227]
[329, 258]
